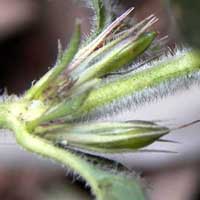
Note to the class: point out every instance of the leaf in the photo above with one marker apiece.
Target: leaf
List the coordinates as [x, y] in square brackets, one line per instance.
[119, 187]
[66, 107]
[100, 14]
[103, 15]
[103, 51]
[87, 50]
[118, 57]
[35, 91]
[158, 73]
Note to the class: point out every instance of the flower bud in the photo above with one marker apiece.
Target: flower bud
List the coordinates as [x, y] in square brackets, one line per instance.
[108, 137]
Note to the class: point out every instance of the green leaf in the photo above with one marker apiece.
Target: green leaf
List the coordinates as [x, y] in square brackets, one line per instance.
[103, 15]
[36, 90]
[67, 107]
[137, 30]
[87, 50]
[119, 56]
[182, 65]
[118, 187]
[100, 14]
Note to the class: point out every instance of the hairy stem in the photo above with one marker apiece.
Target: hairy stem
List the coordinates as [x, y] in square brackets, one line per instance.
[46, 149]
[101, 182]
[162, 72]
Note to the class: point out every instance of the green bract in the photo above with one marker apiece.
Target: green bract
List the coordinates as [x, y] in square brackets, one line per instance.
[107, 137]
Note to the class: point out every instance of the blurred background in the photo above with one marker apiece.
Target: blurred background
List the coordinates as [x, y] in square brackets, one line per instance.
[29, 33]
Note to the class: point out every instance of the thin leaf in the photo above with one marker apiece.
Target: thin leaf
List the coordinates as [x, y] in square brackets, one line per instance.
[35, 91]
[67, 107]
[97, 55]
[121, 55]
[89, 49]
[162, 72]
[100, 14]
[104, 13]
